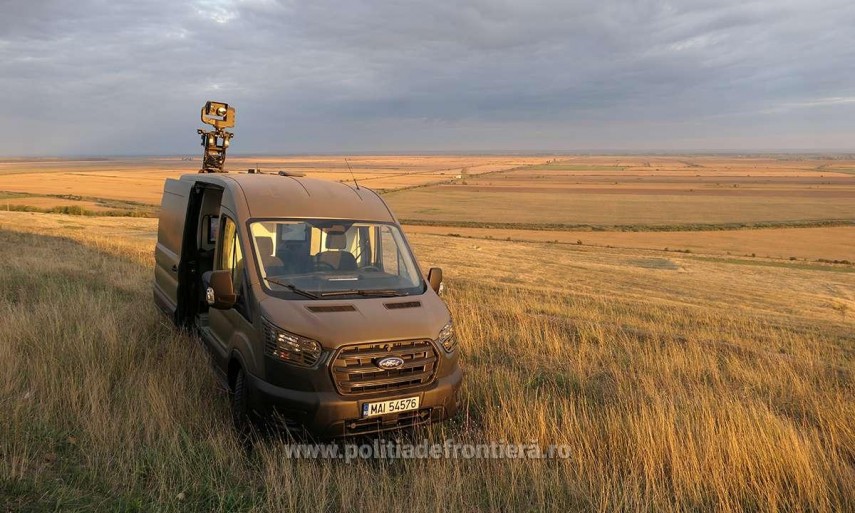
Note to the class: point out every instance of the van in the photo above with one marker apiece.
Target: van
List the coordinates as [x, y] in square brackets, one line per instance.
[310, 301]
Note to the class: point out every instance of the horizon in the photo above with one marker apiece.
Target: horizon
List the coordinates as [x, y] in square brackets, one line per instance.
[771, 152]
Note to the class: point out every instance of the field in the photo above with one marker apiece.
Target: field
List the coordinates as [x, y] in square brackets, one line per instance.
[663, 193]
[718, 374]
[818, 243]
[141, 180]
[693, 202]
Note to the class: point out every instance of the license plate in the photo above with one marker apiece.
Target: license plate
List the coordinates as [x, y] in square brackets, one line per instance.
[392, 406]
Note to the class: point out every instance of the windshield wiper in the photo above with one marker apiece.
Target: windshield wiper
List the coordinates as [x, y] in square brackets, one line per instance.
[366, 292]
[293, 288]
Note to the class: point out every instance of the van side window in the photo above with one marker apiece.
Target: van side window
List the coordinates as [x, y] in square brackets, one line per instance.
[230, 255]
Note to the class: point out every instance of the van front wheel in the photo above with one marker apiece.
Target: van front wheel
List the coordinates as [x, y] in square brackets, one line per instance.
[240, 403]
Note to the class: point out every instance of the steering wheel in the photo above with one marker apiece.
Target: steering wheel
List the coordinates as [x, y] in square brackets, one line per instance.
[324, 266]
[370, 269]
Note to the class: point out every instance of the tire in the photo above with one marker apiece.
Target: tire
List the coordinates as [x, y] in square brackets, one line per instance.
[240, 405]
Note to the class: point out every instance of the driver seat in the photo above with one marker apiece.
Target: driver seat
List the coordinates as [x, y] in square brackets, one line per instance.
[265, 250]
[335, 255]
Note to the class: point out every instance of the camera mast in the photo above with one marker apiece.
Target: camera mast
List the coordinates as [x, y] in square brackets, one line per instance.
[216, 142]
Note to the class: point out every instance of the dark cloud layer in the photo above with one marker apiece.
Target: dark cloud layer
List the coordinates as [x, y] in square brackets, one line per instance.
[109, 77]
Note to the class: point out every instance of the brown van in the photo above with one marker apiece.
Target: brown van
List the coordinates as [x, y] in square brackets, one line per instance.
[310, 301]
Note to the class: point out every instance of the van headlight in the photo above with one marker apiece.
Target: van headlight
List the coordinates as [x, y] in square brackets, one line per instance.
[289, 347]
[446, 337]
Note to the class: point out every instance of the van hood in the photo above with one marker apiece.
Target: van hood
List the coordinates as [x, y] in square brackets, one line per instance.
[334, 323]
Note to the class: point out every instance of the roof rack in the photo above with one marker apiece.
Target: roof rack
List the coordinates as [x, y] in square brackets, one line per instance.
[291, 173]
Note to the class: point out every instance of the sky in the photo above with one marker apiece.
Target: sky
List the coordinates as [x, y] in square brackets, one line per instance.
[108, 77]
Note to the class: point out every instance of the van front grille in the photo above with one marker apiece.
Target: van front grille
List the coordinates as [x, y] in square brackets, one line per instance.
[355, 369]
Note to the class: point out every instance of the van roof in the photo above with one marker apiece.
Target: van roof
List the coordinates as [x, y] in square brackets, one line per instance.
[274, 196]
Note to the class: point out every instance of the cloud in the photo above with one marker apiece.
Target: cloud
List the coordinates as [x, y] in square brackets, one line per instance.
[122, 77]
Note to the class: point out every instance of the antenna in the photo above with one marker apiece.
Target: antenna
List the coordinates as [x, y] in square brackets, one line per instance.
[351, 173]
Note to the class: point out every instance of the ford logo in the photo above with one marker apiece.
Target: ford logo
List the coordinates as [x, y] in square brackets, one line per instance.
[390, 363]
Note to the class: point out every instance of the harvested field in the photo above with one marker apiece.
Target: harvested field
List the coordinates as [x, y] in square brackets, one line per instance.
[439, 204]
[641, 191]
[142, 179]
[841, 192]
[620, 201]
[836, 243]
[47, 202]
[603, 191]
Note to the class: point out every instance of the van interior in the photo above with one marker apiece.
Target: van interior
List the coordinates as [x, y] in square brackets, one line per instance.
[198, 248]
[331, 256]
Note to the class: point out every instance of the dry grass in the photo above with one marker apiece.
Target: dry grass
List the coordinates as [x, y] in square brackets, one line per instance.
[670, 398]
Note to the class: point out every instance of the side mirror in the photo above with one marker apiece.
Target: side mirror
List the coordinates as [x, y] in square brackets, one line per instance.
[220, 293]
[435, 279]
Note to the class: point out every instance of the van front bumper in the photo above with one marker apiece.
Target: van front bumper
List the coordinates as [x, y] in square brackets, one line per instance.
[330, 415]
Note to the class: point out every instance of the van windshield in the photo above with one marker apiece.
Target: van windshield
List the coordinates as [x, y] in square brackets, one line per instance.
[327, 259]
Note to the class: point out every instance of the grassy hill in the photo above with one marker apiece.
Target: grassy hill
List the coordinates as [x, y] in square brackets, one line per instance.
[679, 382]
